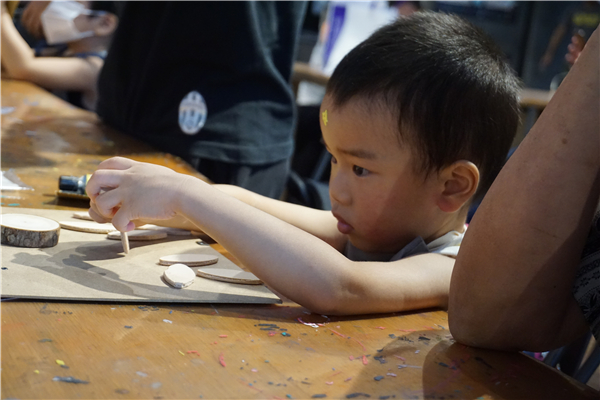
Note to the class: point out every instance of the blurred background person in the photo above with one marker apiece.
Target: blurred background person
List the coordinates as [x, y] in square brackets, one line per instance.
[84, 29]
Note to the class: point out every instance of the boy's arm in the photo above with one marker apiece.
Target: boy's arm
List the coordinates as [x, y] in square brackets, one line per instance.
[19, 62]
[319, 223]
[307, 270]
[512, 285]
[292, 261]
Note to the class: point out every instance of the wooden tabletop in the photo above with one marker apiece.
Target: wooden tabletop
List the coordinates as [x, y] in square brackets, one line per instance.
[70, 350]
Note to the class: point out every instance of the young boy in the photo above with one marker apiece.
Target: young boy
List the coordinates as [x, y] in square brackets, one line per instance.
[85, 27]
[418, 119]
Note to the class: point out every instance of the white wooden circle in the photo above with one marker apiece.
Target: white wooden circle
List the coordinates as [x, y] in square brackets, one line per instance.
[138, 235]
[29, 222]
[82, 215]
[179, 276]
[167, 230]
[87, 226]
[189, 259]
[229, 275]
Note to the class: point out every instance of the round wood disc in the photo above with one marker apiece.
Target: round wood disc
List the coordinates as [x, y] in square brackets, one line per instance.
[138, 235]
[229, 275]
[167, 230]
[189, 259]
[87, 226]
[23, 230]
[82, 215]
[179, 276]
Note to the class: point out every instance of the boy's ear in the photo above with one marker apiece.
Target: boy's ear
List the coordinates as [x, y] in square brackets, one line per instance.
[106, 25]
[460, 181]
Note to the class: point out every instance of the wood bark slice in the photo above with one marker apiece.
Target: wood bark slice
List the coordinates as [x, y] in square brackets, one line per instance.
[29, 231]
[179, 276]
[229, 275]
[189, 259]
[87, 226]
[138, 235]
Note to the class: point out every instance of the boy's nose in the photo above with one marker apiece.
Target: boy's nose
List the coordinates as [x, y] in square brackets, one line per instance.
[338, 188]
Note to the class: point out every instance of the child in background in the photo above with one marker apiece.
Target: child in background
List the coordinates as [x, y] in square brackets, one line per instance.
[85, 27]
[418, 119]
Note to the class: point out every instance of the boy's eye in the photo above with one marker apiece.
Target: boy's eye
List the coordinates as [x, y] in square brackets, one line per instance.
[359, 171]
[333, 160]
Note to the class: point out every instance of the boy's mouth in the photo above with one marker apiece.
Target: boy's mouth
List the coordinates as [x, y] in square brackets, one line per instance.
[342, 225]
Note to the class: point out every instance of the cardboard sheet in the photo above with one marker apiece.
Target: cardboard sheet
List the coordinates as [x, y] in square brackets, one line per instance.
[90, 267]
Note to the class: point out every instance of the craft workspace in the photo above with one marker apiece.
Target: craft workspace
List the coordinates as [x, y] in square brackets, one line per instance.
[83, 311]
[178, 224]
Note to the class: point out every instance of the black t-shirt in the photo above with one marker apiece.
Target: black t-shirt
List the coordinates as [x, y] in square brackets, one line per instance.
[237, 55]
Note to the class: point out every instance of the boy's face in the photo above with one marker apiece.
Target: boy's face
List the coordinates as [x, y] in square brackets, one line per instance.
[376, 196]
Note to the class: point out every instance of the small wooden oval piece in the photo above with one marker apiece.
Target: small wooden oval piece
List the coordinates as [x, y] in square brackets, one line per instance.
[138, 235]
[82, 215]
[229, 275]
[167, 230]
[87, 226]
[179, 276]
[189, 259]
[23, 230]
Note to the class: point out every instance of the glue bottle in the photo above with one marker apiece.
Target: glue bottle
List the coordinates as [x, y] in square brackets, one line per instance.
[73, 184]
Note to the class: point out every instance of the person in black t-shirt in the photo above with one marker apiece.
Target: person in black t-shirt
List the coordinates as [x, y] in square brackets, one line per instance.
[209, 82]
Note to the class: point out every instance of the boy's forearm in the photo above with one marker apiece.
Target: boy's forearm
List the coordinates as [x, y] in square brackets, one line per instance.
[518, 261]
[318, 223]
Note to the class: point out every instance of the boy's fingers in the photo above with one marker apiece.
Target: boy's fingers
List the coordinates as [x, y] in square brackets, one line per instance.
[122, 222]
[116, 163]
[102, 180]
[107, 202]
[96, 216]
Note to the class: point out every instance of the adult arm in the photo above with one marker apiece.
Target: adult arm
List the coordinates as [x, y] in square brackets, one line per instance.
[512, 284]
[19, 62]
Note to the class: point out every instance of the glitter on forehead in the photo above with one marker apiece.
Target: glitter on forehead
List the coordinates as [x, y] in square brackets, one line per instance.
[324, 115]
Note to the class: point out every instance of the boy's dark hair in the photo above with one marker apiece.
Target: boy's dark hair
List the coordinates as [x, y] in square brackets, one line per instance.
[454, 95]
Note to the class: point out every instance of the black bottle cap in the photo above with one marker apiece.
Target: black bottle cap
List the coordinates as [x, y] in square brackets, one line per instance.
[69, 183]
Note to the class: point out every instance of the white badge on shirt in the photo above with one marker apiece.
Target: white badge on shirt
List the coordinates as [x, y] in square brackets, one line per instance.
[192, 113]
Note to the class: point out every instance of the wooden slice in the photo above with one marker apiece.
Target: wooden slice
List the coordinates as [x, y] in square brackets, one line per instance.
[29, 231]
[179, 276]
[189, 259]
[167, 230]
[229, 275]
[138, 235]
[87, 226]
[82, 215]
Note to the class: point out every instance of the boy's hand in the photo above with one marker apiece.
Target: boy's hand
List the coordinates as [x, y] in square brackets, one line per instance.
[124, 190]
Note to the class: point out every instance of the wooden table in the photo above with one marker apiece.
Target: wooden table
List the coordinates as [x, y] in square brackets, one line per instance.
[125, 351]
